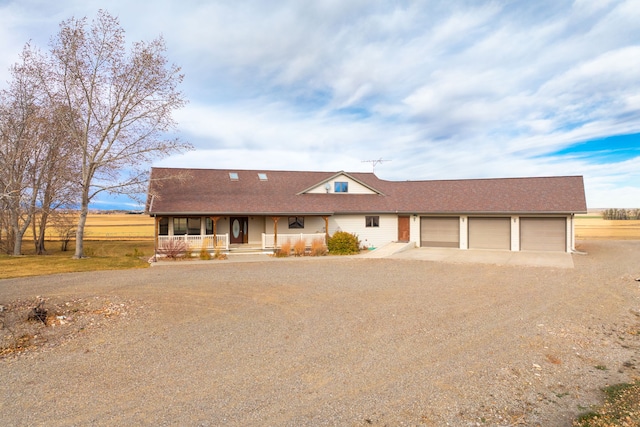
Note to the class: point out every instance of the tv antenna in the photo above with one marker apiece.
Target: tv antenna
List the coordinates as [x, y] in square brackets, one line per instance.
[374, 163]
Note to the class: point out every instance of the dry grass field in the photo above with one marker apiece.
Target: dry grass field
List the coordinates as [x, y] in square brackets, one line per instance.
[111, 226]
[119, 227]
[594, 227]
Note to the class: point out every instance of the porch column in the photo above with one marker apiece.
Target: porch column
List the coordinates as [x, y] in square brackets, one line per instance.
[215, 219]
[156, 231]
[275, 231]
[326, 229]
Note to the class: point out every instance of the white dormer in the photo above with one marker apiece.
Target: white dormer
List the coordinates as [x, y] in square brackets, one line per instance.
[340, 183]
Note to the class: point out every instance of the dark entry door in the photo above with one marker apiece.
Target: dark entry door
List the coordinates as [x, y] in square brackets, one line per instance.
[403, 229]
[239, 229]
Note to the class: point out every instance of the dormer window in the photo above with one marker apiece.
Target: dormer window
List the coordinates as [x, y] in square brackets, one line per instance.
[340, 187]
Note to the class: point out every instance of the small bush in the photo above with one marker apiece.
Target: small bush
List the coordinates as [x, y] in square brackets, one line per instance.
[299, 248]
[343, 243]
[285, 250]
[219, 255]
[318, 248]
[205, 255]
[174, 249]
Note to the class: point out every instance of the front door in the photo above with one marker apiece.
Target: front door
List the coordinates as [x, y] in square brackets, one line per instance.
[403, 229]
[239, 229]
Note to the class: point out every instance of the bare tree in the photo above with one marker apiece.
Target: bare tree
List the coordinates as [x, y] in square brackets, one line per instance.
[122, 104]
[55, 178]
[21, 131]
[64, 223]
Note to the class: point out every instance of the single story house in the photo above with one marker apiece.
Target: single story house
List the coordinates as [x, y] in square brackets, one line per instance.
[227, 209]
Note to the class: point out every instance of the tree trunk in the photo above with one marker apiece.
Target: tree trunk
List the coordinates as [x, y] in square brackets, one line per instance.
[84, 211]
[40, 249]
[17, 243]
[18, 232]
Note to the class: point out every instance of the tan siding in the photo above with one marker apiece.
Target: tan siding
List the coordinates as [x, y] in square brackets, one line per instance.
[369, 236]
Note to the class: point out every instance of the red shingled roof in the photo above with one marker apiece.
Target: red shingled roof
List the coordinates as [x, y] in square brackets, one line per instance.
[211, 191]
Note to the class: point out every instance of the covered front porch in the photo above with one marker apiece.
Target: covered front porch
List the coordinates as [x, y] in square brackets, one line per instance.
[228, 233]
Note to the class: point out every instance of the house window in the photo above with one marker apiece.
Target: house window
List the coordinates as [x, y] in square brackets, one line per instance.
[163, 227]
[179, 226]
[263, 176]
[208, 226]
[296, 222]
[372, 221]
[193, 226]
[233, 176]
[341, 187]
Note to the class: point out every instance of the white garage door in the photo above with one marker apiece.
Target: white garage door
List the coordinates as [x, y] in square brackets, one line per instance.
[490, 233]
[441, 232]
[543, 234]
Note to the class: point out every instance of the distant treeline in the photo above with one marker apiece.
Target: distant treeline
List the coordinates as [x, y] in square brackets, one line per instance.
[621, 214]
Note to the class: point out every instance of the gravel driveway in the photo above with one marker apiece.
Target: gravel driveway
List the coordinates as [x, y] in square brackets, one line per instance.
[333, 341]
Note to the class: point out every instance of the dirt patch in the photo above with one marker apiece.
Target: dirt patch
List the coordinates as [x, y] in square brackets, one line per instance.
[38, 323]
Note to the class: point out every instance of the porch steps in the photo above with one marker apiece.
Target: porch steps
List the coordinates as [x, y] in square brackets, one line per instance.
[247, 250]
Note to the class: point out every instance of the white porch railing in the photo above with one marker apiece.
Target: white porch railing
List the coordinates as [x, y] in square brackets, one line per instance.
[198, 241]
[268, 240]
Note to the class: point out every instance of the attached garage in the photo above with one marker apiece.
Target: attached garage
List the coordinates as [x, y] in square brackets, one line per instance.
[543, 234]
[440, 232]
[490, 233]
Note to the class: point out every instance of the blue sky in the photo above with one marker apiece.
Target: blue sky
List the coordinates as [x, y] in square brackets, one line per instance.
[441, 89]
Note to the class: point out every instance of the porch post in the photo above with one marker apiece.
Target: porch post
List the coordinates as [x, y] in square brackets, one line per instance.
[275, 231]
[215, 219]
[156, 231]
[326, 229]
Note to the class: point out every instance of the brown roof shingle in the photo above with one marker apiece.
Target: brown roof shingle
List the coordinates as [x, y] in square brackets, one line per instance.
[211, 191]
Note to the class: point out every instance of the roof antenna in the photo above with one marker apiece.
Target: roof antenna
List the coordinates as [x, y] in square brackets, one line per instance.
[374, 163]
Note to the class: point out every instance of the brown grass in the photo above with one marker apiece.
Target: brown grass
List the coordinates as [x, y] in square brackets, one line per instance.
[103, 255]
[299, 248]
[285, 249]
[598, 228]
[318, 247]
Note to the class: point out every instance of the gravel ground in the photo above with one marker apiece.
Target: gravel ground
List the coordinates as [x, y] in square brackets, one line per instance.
[328, 342]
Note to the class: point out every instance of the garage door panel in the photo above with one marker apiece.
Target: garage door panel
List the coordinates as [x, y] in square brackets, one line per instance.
[543, 234]
[441, 232]
[490, 233]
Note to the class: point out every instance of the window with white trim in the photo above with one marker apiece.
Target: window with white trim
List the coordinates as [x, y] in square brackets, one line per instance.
[179, 226]
[296, 222]
[372, 221]
[341, 187]
[193, 226]
[163, 226]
